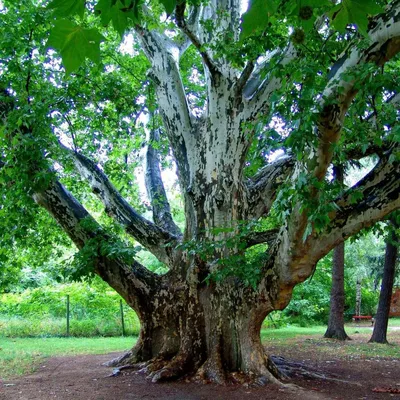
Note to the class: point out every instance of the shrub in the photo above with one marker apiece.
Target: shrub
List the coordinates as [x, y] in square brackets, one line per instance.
[94, 311]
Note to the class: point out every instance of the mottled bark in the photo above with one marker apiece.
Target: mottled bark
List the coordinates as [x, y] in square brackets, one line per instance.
[382, 316]
[157, 239]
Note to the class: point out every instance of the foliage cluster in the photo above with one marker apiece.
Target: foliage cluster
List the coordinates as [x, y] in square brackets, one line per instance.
[94, 311]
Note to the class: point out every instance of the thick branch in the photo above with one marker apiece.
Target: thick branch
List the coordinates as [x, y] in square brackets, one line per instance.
[259, 86]
[155, 189]
[67, 211]
[155, 239]
[340, 92]
[380, 195]
[294, 257]
[263, 186]
[133, 282]
[182, 24]
[267, 237]
[163, 54]
[244, 78]
[337, 97]
[227, 15]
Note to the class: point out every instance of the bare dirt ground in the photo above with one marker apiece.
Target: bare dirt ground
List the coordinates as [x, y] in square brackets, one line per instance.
[354, 376]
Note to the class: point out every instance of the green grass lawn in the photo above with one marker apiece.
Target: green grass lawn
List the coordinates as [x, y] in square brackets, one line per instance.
[21, 355]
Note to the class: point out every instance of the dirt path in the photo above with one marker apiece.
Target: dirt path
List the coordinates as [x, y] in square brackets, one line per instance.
[85, 378]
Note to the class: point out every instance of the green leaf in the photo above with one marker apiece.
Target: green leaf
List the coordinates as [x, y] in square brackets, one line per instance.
[117, 12]
[354, 12]
[339, 17]
[75, 44]
[103, 7]
[169, 5]
[256, 18]
[64, 8]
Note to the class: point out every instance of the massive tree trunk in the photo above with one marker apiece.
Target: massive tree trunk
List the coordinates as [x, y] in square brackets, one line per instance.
[203, 317]
[382, 315]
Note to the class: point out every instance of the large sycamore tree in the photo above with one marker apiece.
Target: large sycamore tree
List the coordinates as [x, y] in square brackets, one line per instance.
[251, 110]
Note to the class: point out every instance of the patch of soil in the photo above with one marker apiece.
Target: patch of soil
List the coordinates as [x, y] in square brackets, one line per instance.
[85, 378]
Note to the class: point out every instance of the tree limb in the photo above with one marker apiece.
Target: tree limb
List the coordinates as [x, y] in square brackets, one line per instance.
[380, 195]
[163, 54]
[158, 241]
[259, 86]
[244, 77]
[262, 187]
[132, 281]
[182, 24]
[340, 91]
[155, 188]
[267, 237]
[337, 98]
[294, 258]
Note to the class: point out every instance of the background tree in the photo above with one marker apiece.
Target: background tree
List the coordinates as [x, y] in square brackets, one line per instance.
[391, 259]
[335, 327]
[227, 100]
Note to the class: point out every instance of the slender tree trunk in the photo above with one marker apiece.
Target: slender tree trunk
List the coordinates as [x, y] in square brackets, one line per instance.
[358, 297]
[382, 315]
[335, 328]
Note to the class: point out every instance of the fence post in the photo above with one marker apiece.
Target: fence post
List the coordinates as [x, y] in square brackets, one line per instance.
[122, 317]
[67, 315]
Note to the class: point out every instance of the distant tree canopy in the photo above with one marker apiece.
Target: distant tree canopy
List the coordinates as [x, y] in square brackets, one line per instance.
[251, 110]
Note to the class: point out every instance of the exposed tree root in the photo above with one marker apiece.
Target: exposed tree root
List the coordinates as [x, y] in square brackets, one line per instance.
[295, 369]
[212, 370]
[115, 362]
[176, 368]
[276, 370]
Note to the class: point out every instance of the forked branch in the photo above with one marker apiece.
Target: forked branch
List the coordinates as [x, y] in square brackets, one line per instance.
[155, 239]
[195, 40]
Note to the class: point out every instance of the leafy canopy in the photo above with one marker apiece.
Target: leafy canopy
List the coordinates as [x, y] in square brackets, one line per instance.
[304, 13]
[75, 42]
